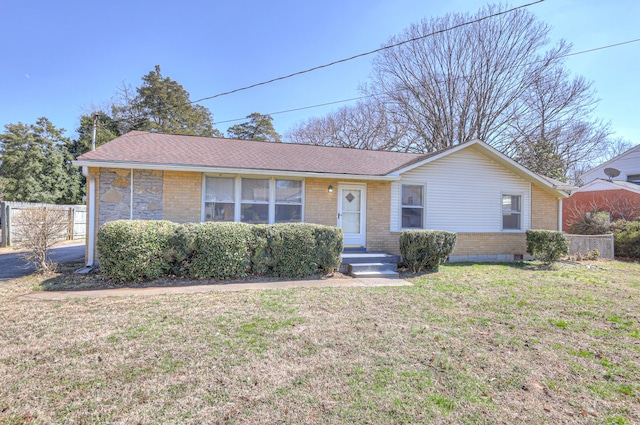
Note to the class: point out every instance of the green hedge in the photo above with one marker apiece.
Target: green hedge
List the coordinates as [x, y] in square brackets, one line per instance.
[212, 250]
[135, 250]
[626, 238]
[547, 246]
[295, 249]
[426, 249]
[216, 250]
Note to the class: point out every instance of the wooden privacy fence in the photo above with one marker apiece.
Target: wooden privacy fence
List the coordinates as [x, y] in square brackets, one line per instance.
[76, 224]
[580, 244]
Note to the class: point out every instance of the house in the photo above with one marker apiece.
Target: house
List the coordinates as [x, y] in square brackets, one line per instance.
[471, 189]
[621, 199]
[613, 186]
[627, 164]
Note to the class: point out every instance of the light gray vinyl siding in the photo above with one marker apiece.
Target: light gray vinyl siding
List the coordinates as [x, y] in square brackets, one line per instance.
[627, 163]
[463, 193]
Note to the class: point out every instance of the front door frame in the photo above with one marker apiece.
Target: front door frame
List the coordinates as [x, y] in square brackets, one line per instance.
[354, 239]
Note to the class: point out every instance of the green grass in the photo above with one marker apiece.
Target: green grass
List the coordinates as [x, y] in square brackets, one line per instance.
[477, 344]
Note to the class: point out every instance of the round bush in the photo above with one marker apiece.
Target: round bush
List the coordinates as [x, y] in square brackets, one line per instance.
[134, 250]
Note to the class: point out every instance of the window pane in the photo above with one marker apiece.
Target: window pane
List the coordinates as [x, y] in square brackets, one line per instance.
[351, 201]
[412, 218]
[511, 221]
[218, 211]
[288, 213]
[412, 195]
[510, 203]
[289, 191]
[255, 190]
[254, 213]
[220, 189]
[351, 222]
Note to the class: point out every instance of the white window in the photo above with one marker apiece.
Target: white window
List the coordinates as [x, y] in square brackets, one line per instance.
[412, 206]
[511, 212]
[219, 202]
[255, 201]
[288, 201]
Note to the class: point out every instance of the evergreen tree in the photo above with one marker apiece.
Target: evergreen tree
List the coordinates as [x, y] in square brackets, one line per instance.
[259, 127]
[162, 105]
[36, 164]
[106, 131]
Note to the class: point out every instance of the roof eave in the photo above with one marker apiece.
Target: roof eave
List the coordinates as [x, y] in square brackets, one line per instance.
[225, 170]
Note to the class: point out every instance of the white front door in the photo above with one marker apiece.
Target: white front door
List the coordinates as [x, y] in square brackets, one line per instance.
[352, 210]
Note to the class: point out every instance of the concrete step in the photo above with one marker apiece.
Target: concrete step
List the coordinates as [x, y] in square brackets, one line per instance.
[388, 274]
[365, 270]
[369, 257]
[372, 267]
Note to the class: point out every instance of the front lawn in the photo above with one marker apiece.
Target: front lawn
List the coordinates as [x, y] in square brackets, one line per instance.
[470, 344]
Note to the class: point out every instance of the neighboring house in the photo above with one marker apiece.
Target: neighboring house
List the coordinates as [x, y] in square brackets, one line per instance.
[613, 186]
[627, 163]
[620, 199]
[471, 189]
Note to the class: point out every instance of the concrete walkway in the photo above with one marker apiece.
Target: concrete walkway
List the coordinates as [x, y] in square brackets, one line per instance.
[290, 284]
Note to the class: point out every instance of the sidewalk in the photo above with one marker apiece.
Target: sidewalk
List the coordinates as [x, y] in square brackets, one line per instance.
[128, 292]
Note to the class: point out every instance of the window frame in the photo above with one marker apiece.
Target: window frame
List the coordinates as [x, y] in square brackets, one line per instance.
[423, 206]
[205, 201]
[276, 203]
[238, 201]
[512, 212]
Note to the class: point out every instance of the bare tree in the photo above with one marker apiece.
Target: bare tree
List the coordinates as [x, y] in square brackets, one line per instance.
[554, 134]
[496, 79]
[366, 125]
[466, 82]
[36, 230]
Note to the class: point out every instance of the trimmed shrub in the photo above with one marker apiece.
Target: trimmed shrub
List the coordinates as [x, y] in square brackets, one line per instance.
[329, 245]
[134, 250]
[293, 247]
[426, 249]
[262, 260]
[547, 246]
[212, 250]
[626, 238]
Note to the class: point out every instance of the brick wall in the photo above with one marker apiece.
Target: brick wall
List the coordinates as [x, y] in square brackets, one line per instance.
[182, 196]
[474, 244]
[544, 210]
[321, 207]
[620, 203]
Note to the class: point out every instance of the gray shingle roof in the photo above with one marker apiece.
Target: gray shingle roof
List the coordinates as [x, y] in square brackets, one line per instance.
[176, 150]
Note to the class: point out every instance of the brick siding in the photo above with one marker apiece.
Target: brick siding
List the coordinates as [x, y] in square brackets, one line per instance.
[544, 210]
[182, 196]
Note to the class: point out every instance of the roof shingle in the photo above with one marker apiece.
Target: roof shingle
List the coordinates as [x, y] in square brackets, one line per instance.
[176, 150]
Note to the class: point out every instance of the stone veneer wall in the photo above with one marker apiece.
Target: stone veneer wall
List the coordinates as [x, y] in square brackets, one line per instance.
[114, 195]
[147, 195]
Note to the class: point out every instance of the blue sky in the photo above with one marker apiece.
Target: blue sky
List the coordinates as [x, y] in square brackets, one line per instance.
[63, 58]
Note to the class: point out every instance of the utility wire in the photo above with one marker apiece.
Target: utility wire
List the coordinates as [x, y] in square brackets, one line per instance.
[372, 95]
[391, 46]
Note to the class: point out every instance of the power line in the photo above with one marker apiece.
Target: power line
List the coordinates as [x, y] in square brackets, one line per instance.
[391, 46]
[372, 95]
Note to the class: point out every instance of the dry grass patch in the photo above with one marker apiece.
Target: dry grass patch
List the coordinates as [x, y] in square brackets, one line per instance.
[469, 344]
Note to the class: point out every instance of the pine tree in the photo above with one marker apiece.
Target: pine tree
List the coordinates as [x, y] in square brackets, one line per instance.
[162, 105]
[259, 127]
[36, 164]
